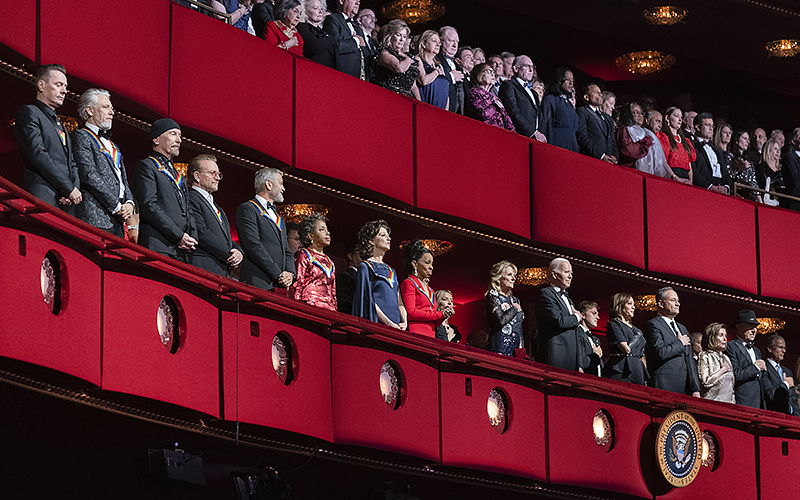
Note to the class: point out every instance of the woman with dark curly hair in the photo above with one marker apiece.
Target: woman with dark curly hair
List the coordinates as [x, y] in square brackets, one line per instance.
[561, 119]
[316, 274]
[377, 296]
[503, 311]
[418, 297]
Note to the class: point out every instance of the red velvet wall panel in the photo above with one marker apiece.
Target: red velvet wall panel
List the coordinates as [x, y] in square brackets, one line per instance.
[338, 135]
[122, 46]
[582, 203]
[570, 434]
[700, 234]
[242, 91]
[468, 440]
[737, 467]
[303, 406]
[778, 473]
[68, 342]
[134, 359]
[360, 415]
[456, 159]
[779, 253]
[18, 27]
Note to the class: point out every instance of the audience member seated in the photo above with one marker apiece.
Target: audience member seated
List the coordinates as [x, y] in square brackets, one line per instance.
[434, 87]
[740, 168]
[560, 118]
[639, 147]
[520, 101]
[283, 31]
[452, 70]
[748, 367]
[625, 343]
[418, 297]
[487, 107]
[239, 11]
[557, 319]
[689, 125]
[669, 357]
[590, 354]
[503, 310]
[479, 339]
[777, 379]
[654, 120]
[478, 56]
[791, 169]
[768, 172]
[396, 70]
[714, 367]
[609, 103]
[444, 303]
[596, 128]
[677, 148]
[377, 295]
[262, 13]
[709, 169]
[346, 281]
[316, 273]
[351, 57]
[318, 45]
[107, 197]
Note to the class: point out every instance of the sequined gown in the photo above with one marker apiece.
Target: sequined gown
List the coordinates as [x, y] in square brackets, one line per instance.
[316, 282]
[505, 323]
[741, 174]
[397, 82]
[712, 385]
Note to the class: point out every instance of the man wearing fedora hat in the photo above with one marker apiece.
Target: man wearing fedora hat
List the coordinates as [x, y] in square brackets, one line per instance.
[745, 357]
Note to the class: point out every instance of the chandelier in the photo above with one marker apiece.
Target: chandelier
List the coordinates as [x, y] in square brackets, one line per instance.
[770, 325]
[298, 211]
[645, 62]
[436, 247]
[783, 48]
[413, 11]
[532, 276]
[665, 15]
[645, 303]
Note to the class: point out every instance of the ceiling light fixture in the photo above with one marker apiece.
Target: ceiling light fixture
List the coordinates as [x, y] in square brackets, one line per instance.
[783, 48]
[770, 325]
[413, 11]
[665, 15]
[645, 62]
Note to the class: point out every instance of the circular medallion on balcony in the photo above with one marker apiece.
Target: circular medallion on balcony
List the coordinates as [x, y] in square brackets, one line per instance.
[497, 409]
[52, 278]
[603, 430]
[391, 384]
[169, 324]
[710, 451]
[284, 357]
[678, 448]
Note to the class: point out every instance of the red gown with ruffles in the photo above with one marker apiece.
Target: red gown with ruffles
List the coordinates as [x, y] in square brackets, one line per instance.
[316, 279]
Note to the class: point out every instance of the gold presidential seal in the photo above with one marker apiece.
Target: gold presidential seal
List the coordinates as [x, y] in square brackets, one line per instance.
[678, 447]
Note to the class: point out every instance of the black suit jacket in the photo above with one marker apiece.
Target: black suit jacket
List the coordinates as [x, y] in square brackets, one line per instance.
[49, 171]
[261, 14]
[214, 242]
[791, 178]
[701, 168]
[670, 363]
[776, 394]
[746, 375]
[266, 250]
[458, 90]
[164, 214]
[595, 134]
[556, 331]
[587, 358]
[318, 45]
[526, 114]
[348, 53]
[100, 185]
[346, 289]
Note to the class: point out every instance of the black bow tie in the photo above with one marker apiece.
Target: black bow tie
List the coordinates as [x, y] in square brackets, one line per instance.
[564, 293]
[272, 206]
[702, 142]
[749, 345]
[104, 133]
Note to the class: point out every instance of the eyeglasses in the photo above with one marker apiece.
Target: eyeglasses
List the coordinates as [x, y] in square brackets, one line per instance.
[530, 66]
[216, 174]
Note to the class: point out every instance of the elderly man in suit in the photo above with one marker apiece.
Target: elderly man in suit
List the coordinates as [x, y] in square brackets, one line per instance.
[710, 170]
[777, 380]
[748, 366]
[668, 350]
[49, 171]
[351, 48]
[452, 69]
[557, 319]
[107, 198]
[521, 102]
[596, 129]
[165, 224]
[262, 234]
[215, 251]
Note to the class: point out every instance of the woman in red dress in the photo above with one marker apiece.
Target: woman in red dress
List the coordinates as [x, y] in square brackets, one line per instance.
[283, 32]
[316, 274]
[677, 148]
[419, 298]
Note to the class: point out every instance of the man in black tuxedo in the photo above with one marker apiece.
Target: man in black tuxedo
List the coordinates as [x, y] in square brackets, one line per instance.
[49, 171]
[351, 57]
[346, 281]
[452, 70]
[107, 198]
[791, 170]
[557, 319]
[262, 234]
[521, 102]
[689, 124]
[262, 13]
[366, 19]
[215, 251]
[777, 379]
[165, 221]
[668, 351]
[596, 129]
[748, 367]
[591, 353]
[710, 170]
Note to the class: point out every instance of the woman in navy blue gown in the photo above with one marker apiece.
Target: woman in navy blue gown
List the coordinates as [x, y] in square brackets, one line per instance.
[561, 119]
[377, 296]
[434, 87]
[503, 311]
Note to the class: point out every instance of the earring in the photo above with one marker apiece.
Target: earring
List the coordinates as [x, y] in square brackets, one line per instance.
[415, 270]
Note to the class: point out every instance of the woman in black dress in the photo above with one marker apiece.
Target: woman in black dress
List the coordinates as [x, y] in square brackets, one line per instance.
[318, 45]
[396, 70]
[625, 343]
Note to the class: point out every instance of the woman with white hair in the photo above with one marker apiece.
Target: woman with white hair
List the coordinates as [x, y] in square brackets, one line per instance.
[318, 45]
[639, 147]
